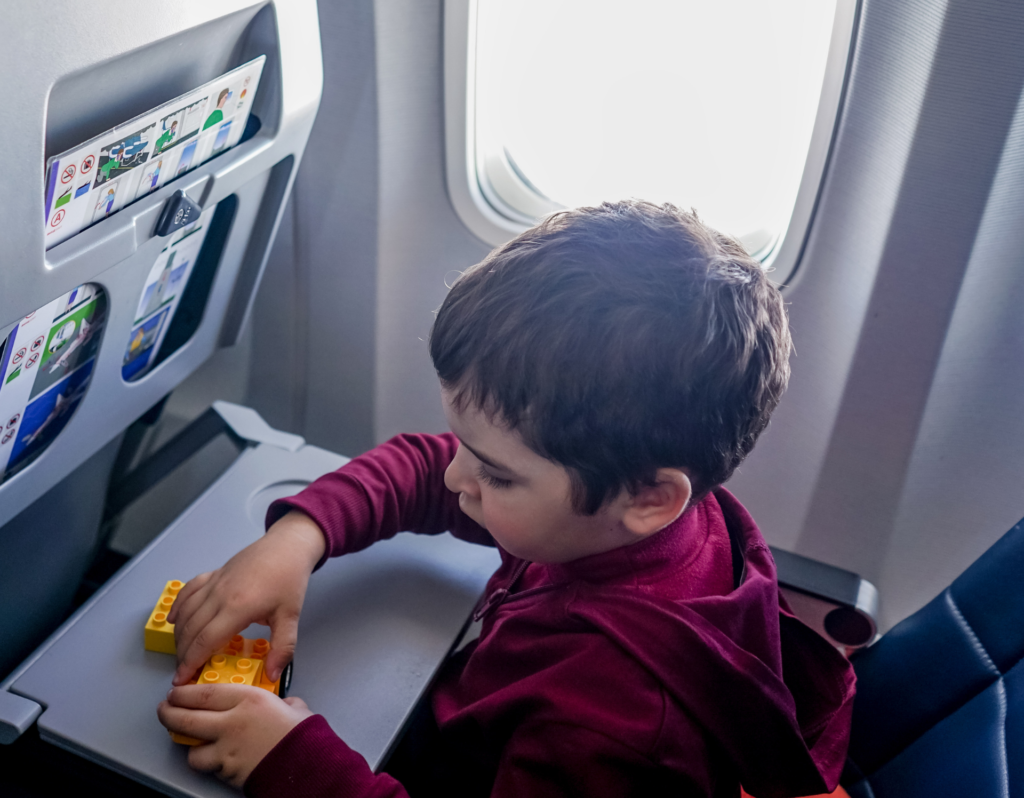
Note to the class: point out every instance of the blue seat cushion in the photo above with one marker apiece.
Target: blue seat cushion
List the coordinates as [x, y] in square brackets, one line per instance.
[940, 698]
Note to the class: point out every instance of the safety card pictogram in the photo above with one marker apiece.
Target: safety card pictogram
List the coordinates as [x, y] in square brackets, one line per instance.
[46, 363]
[103, 175]
[161, 295]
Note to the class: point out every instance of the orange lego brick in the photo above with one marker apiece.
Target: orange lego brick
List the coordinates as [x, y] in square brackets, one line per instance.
[226, 669]
[229, 669]
[256, 650]
[239, 646]
[239, 662]
[266, 684]
[185, 740]
[159, 634]
[222, 667]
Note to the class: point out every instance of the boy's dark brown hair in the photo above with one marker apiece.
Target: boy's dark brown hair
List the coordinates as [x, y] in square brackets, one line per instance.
[617, 340]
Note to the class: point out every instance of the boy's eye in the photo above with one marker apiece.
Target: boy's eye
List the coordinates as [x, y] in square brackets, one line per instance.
[492, 480]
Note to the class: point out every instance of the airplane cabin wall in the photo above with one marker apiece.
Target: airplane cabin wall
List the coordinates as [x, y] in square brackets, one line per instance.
[880, 458]
[359, 266]
[312, 359]
[423, 244]
[965, 482]
[896, 450]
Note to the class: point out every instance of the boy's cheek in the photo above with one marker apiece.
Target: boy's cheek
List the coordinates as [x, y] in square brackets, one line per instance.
[473, 508]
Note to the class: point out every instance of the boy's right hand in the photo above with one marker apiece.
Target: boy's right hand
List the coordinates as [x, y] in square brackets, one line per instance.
[264, 583]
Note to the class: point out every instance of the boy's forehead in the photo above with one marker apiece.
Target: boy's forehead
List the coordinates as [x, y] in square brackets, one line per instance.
[483, 433]
[464, 415]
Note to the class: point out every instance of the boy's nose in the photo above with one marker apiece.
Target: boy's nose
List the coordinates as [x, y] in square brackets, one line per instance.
[457, 477]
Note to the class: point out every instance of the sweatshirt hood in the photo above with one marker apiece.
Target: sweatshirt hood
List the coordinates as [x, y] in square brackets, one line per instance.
[775, 695]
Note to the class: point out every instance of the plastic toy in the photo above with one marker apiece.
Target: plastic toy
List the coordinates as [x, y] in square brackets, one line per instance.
[159, 634]
[239, 662]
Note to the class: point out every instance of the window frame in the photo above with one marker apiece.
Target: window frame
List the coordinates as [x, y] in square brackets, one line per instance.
[479, 187]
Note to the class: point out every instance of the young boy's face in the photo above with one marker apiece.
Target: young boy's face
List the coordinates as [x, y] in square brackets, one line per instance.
[521, 498]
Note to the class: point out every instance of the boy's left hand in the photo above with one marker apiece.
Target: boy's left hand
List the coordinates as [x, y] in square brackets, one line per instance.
[242, 723]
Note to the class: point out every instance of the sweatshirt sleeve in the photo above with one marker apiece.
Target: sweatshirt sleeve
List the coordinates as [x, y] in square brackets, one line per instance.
[312, 761]
[550, 760]
[395, 487]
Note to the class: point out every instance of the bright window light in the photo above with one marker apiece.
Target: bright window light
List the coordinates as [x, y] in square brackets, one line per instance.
[709, 105]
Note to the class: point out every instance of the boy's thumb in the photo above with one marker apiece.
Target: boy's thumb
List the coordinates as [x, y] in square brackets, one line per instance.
[282, 647]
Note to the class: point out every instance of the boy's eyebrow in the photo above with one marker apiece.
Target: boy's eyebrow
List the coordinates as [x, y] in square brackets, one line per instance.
[486, 460]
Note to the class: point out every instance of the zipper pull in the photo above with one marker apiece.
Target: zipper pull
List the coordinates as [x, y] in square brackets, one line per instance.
[501, 593]
[492, 601]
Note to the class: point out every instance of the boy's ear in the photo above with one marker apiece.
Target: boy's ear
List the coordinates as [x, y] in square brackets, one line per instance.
[656, 506]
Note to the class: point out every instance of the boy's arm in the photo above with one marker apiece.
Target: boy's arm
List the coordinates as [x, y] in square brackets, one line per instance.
[541, 760]
[312, 761]
[398, 485]
[395, 487]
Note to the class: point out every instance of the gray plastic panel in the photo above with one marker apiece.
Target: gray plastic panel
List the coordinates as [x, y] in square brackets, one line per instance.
[46, 550]
[249, 424]
[78, 76]
[816, 590]
[375, 627]
[17, 715]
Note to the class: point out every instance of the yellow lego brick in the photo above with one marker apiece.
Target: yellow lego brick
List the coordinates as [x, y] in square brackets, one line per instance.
[226, 669]
[239, 662]
[159, 634]
[256, 650]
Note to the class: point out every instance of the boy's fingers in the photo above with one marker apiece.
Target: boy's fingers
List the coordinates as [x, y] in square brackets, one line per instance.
[214, 697]
[185, 593]
[283, 637]
[204, 725]
[191, 618]
[295, 701]
[205, 758]
[194, 612]
[204, 633]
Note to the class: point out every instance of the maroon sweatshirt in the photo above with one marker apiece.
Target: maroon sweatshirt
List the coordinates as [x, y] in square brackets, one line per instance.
[671, 666]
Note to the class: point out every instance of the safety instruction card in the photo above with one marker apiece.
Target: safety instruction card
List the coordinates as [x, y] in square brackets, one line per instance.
[88, 183]
[161, 295]
[47, 359]
[45, 367]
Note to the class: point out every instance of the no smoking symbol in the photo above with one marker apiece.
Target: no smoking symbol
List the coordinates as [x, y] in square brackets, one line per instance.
[7, 437]
[68, 174]
[32, 360]
[58, 217]
[87, 164]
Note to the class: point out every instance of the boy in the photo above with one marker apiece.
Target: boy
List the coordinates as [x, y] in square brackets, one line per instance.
[603, 374]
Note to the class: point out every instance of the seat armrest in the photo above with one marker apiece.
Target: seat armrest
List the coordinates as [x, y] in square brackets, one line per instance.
[838, 604]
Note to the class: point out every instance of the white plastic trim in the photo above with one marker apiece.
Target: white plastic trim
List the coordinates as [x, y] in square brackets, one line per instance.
[495, 204]
[459, 108]
[784, 255]
[249, 425]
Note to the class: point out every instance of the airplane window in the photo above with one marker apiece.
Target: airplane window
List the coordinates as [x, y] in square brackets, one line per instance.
[706, 105]
[46, 362]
